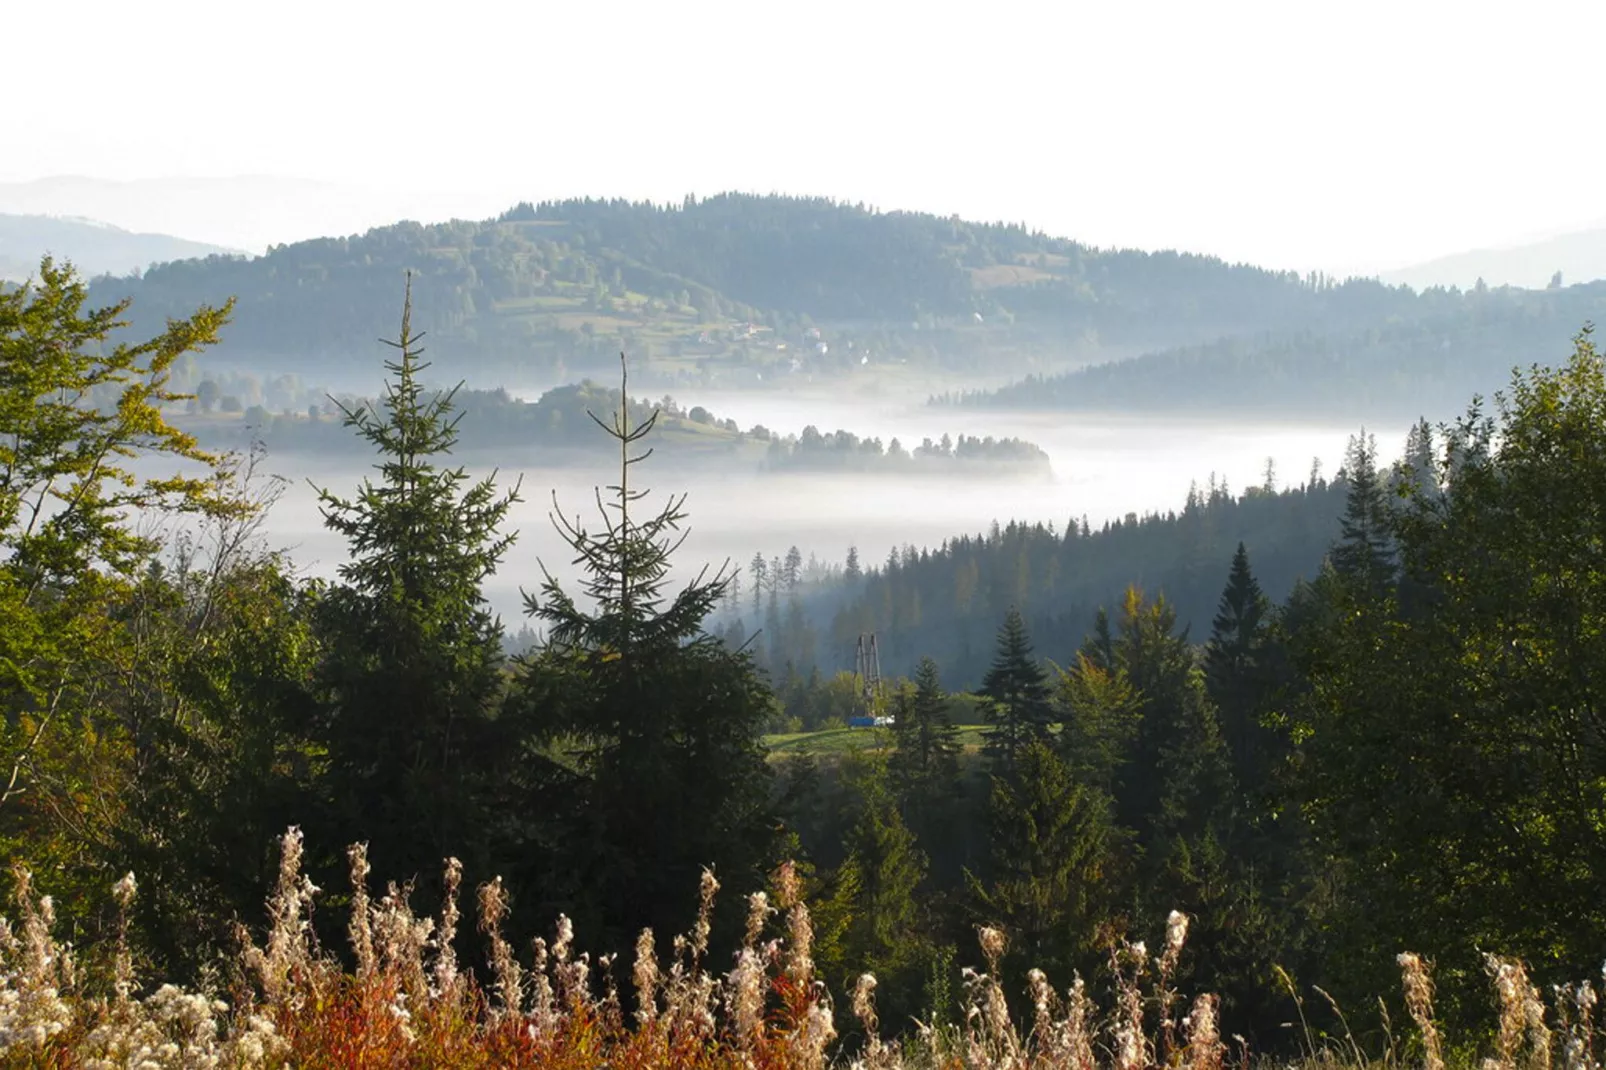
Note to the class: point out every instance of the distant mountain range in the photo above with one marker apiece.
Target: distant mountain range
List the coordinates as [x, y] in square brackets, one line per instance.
[1580, 257]
[250, 212]
[94, 248]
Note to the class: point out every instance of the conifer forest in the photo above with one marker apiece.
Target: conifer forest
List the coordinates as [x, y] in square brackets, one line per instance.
[1311, 772]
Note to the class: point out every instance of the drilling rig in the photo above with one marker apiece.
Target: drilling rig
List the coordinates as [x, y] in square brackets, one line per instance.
[867, 671]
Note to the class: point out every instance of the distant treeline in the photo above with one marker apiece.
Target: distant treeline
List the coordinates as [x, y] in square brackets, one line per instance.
[945, 602]
[844, 451]
[561, 420]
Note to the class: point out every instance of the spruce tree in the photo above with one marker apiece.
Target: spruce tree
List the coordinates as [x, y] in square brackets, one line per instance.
[1054, 854]
[412, 673]
[875, 888]
[1016, 689]
[925, 757]
[1364, 555]
[1236, 673]
[1099, 712]
[1173, 779]
[666, 718]
[1099, 647]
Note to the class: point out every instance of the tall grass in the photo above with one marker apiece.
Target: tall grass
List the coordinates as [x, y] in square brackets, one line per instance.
[406, 1002]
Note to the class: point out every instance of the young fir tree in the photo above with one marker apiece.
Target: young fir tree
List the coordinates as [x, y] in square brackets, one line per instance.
[1016, 689]
[666, 719]
[412, 672]
[1236, 671]
[925, 757]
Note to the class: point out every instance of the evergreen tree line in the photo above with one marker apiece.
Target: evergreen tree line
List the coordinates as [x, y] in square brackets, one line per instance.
[1402, 752]
[1396, 755]
[946, 601]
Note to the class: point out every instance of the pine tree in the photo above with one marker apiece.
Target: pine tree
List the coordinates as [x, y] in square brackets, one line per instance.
[925, 757]
[1235, 671]
[1099, 713]
[1099, 647]
[1364, 554]
[1053, 854]
[852, 571]
[1417, 474]
[667, 718]
[1018, 696]
[1176, 760]
[412, 673]
[889, 866]
[874, 895]
[760, 569]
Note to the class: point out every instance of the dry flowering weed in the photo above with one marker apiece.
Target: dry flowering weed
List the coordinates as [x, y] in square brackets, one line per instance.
[1575, 1017]
[409, 1003]
[1416, 978]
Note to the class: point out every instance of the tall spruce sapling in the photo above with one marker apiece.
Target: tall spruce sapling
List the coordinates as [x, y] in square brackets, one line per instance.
[412, 672]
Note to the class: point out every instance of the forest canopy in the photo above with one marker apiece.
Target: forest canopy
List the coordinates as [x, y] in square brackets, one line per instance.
[1395, 745]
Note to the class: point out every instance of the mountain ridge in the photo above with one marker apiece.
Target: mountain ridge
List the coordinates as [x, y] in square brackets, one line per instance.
[734, 289]
[94, 246]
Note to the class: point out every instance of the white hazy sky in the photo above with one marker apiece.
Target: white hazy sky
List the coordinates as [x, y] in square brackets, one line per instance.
[1342, 134]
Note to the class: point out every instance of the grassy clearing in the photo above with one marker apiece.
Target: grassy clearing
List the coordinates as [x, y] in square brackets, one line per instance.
[850, 740]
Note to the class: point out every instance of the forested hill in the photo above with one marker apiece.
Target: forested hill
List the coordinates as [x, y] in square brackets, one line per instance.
[947, 602]
[1397, 370]
[732, 289]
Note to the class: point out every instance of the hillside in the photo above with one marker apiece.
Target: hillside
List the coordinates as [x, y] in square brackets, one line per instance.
[94, 248]
[1395, 370]
[733, 289]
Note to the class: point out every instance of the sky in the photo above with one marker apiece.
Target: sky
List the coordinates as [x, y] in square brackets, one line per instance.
[1342, 135]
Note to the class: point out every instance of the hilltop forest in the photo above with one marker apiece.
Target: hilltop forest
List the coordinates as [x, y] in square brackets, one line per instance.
[737, 289]
[1388, 737]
